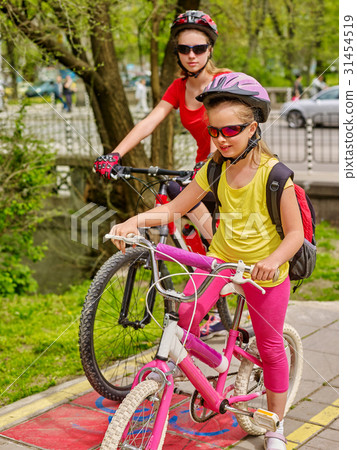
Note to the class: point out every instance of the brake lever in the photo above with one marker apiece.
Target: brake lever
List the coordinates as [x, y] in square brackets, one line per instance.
[237, 278]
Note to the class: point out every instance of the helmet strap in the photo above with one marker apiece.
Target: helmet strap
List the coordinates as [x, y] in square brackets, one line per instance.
[252, 143]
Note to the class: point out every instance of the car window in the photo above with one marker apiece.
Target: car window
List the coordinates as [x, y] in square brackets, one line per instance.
[329, 95]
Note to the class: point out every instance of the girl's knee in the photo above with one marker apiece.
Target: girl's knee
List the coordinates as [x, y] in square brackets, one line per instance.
[272, 354]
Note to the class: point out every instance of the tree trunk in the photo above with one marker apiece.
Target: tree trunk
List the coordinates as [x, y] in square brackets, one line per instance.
[162, 147]
[12, 60]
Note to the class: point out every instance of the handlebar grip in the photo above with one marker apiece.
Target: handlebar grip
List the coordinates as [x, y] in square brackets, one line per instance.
[130, 239]
[277, 274]
[275, 277]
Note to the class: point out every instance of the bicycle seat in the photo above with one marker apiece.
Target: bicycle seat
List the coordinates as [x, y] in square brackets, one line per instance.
[231, 288]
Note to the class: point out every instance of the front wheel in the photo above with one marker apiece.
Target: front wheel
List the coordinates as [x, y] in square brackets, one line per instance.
[117, 334]
[133, 422]
[226, 307]
[250, 379]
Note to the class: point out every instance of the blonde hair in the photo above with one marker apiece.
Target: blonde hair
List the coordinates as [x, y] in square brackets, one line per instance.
[210, 67]
[246, 115]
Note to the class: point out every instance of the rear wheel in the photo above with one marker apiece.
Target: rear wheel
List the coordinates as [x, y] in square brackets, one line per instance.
[250, 379]
[295, 119]
[117, 335]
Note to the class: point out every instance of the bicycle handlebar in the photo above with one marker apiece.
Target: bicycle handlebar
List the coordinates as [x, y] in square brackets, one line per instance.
[152, 171]
[189, 258]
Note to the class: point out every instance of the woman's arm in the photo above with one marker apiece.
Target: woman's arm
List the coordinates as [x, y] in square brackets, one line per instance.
[144, 128]
[160, 215]
[293, 237]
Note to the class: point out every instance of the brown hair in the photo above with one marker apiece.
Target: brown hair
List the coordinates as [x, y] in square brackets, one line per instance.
[246, 114]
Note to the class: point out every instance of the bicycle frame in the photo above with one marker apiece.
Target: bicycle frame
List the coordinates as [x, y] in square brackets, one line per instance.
[179, 345]
[161, 197]
[172, 345]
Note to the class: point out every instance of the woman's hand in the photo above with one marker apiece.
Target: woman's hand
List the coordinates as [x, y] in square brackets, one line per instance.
[124, 229]
[265, 269]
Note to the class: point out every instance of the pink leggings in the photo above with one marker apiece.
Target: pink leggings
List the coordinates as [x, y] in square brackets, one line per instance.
[267, 313]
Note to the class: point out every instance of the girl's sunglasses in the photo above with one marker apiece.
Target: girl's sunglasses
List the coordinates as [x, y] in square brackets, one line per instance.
[197, 49]
[228, 131]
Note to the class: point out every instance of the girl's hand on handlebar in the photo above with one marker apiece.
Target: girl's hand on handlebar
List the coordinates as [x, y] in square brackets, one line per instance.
[124, 229]
[265, 269]
[105, 165]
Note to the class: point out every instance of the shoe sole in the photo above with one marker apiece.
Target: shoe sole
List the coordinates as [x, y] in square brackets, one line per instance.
[213, 334]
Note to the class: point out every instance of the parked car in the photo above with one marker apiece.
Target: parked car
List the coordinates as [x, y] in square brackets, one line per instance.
[41, 88]
[322, 108]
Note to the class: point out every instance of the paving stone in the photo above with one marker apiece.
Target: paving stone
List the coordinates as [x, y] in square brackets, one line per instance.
[6, 444]
[325, 395]
[325, 340]
[329, 434]
[318, 314]
[291, 425]
[305, 410]
[250, 443]
[306, 388]
[318, 443]
[335, 425]
[319, 366]
[335, 382]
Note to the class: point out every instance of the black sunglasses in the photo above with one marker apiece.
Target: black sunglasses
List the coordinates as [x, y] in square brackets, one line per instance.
[228, 131]
[197, 49]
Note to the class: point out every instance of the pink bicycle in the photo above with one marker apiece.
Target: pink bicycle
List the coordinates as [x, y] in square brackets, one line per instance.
[142, 418]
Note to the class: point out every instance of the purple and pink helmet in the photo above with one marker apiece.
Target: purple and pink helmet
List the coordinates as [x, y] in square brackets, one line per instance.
[197, 20]
[243, 87]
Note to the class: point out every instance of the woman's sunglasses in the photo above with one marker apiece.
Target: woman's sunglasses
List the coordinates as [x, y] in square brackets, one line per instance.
[197, 49]
[228, 131]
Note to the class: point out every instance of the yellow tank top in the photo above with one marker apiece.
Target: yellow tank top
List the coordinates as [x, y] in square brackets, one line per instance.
[245, 229]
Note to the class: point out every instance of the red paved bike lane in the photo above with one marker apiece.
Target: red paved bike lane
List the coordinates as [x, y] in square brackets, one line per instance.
[81, 425]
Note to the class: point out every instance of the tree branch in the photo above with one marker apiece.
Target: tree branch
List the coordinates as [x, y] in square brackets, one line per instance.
[39, 37]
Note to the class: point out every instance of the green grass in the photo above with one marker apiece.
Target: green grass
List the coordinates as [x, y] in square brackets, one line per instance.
[39, 334]
[323, 284]
[39, 342]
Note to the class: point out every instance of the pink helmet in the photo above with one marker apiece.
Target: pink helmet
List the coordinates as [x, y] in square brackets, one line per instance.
[243, 87]
[197, 20]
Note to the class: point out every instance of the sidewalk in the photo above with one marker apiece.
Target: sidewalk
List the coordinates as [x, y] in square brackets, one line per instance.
[73, 416]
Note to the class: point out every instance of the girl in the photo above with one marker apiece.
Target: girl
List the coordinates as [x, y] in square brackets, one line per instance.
[236, 104]
[194, 34]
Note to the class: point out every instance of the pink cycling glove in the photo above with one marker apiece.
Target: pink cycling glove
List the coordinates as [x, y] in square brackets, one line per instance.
[104, 164]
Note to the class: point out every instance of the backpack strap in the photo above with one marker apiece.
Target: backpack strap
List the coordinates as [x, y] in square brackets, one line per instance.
[277, 179]
[213, 176]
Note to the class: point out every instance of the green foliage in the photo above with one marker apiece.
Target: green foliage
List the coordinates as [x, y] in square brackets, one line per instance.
[25, 179]
[39, 342]
[271, 40]
[323, 284]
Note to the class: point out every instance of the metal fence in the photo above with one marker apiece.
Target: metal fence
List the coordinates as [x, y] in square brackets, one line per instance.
[76, 134]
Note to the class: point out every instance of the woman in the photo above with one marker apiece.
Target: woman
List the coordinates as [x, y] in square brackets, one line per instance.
[194, 34]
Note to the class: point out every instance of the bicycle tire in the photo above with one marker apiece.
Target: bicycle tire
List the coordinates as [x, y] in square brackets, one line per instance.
[250, 378]
[225, 313]
[112, 343]
[139, 413]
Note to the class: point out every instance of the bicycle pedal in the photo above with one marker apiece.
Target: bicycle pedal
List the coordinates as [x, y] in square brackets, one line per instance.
[266, 419]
